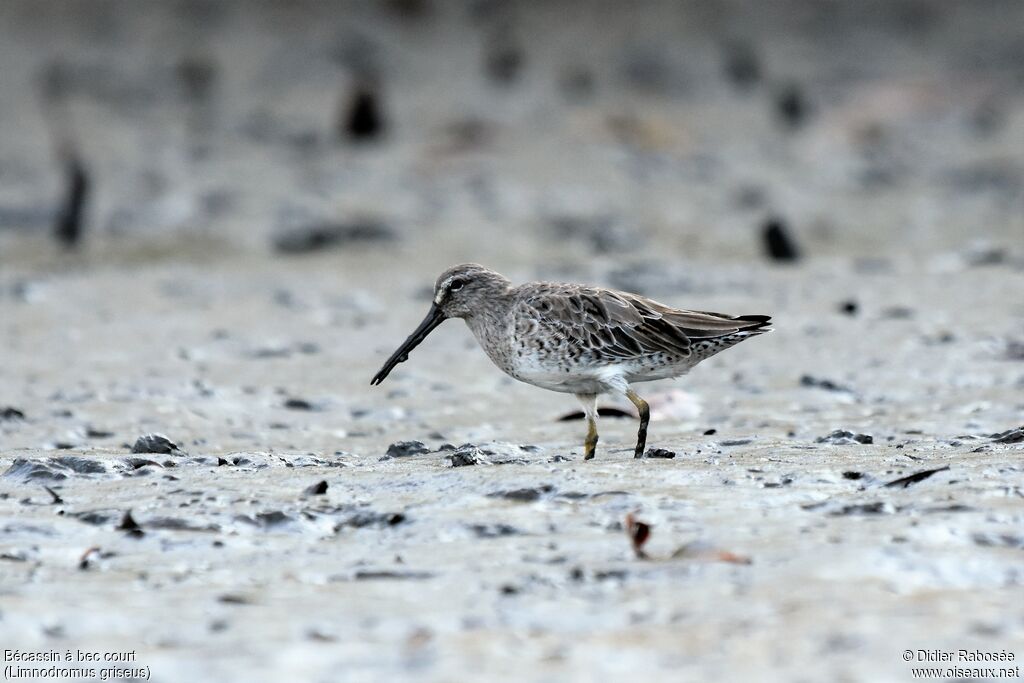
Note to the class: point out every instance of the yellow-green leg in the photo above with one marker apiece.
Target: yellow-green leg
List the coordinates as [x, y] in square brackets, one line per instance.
[645, 416]
[589, 403]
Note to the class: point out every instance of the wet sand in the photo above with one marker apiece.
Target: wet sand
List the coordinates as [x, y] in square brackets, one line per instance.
[279, 540]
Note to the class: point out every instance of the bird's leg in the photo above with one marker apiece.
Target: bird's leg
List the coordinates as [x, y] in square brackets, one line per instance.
[589, 403]
[645, 417]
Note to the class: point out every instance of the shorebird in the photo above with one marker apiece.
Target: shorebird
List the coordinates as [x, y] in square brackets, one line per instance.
[577, 339]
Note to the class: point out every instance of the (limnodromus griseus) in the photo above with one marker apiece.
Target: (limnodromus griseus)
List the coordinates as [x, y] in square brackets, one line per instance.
[577, 339]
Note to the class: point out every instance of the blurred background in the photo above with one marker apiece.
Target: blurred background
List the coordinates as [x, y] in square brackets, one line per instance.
[218, 219]
[491, 130]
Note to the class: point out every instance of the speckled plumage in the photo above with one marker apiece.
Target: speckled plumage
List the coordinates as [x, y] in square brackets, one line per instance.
[577, 339]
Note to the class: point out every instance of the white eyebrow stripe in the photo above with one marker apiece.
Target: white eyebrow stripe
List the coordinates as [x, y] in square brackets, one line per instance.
[442, 289]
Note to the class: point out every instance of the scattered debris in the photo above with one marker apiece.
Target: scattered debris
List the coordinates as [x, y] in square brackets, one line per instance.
[702, 552]
[53, 468]
[735, 442]
[88, 557]
[826, 384]
[914, 478]
[465, 457]
[638, 533]
[318, 236]
[603, 234]
[1014, 349]
[527, 495]
[877, 508]
[362, 117]
[791, 106]
[849, 307]
[659, 453]
[369, 518]
[998, 540]
[272, 518]
[404, 449]
[234, 599]
[742, 67]
[853, 475]
[504, 59]
[317, 489]
[841, 437]
[156, 443]
[300, 404]
[129, 525]
[95, 517]
[1009, 436]
[493, 530]
[374, 575]
[777, 241]
[57, 500]
[11, 413]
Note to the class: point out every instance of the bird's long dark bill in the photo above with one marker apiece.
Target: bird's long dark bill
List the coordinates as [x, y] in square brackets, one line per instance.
[434, 318]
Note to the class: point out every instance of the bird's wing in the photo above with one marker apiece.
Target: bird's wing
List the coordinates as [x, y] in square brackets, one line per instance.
[621, 326]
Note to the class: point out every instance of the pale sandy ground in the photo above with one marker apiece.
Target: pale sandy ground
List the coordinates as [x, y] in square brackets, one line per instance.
[903, 188]
[485, 587]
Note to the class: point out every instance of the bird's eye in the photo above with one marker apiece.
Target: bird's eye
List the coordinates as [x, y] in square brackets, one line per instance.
[455, 285]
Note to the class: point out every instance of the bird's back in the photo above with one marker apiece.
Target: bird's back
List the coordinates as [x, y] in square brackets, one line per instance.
[561, 334]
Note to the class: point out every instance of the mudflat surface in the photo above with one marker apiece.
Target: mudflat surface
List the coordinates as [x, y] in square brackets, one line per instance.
[517, 565]
[844, 489]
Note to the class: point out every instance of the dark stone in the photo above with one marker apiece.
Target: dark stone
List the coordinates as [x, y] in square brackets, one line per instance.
[197, 76]
[317, 489]
[299, 404]
[777, 241]
[156, 443]
[95, 517]
[1009, 436]
[25, 470]
[853, 475]
[577, 84]
[659, 453]
[464, 457]
[404, 449]
[370, 518]
[494, 530]
[370, 575]
[130, 526]
[80, 465]
[849, 308]
[710, 432]
[138, 463]
[826, 384]
[272, 518]
[742, 67]
[362, 117]
[178, 524]
[841, 437]
[11, 413]
[319, 236]
[504, 60]
[791, 106]
[877, 508]
[735, 442]
[527, 495]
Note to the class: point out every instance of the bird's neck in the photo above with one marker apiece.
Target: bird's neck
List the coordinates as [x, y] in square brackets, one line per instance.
[490, 320]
